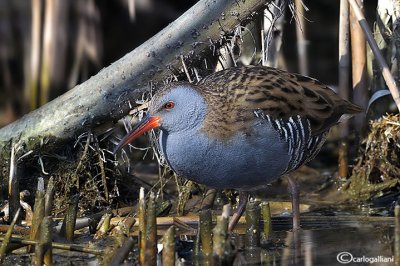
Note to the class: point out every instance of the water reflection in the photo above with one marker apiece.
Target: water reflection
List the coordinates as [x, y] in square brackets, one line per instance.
[322, 246]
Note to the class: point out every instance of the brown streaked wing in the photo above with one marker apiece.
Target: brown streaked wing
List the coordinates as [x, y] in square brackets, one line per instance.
[233, 94]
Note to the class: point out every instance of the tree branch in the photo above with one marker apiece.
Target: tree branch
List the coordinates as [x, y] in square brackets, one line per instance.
[105, 96]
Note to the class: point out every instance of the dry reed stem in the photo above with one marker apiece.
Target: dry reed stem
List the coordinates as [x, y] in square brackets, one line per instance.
[121, 253]
[151, 232]
[301, 40]
[397, 235]
[43, 249]
[206, 232]
[359, 67]
[344, 80]
[266, 216]
[208, 200]
[104, 226]
[387, 75]
[220, 232]
[168, 253]
[38, 213]
[343, 169]
[49, 196]
[7, 237]
[68, 226]
[253, 213]
[32, 83]
[142, 226]
[56, 245]
[13, 184]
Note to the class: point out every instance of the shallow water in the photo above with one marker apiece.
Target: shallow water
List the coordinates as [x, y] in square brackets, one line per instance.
[330, 246]
[328, 240]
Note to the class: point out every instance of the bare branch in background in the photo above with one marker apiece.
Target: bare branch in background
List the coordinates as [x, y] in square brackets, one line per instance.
[302, 43]
[88, 48]
[32, 81]
[54, 49]
[272, 32]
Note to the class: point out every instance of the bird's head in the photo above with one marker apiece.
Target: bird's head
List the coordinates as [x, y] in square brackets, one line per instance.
[174, 108]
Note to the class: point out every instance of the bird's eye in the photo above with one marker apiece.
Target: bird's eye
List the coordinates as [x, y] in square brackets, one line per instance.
[169, 105]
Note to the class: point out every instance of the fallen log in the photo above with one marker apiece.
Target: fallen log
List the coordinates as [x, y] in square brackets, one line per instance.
[108, 96]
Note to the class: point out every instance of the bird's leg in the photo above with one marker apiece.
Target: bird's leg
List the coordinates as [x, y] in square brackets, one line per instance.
[294, 193]
[243, 198]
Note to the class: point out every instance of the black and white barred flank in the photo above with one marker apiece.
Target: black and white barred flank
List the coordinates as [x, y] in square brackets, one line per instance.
[296, 132]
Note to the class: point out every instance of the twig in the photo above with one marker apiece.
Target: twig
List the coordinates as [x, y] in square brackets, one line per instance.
[13, 184]
[186, 70]
[103, 173]
[7, 237]
[80, 164]
[56, 245]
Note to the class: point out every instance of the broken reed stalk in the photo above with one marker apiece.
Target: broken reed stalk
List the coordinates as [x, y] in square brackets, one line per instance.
[397, 235]
[343, 169]
[266, 216]
[38, 213]
[168, 253]
[387, 75]
[196, 247]
[206, 232]
[49, 196]
[359, 67]
[7, 237]
[56, 245]
[121, 253]
[13, 184]
[142, 226]
[43, 249]
[253, 213]
[104, 226]
[208, 200]
[68, 226]
[301, 40]
[151, 232]
[220, 232]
